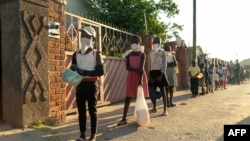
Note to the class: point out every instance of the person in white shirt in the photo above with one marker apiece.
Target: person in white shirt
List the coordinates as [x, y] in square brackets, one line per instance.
[157, 72]
[88, 63]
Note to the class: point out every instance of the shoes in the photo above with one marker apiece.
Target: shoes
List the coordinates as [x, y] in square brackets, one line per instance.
[153, 111]
[122, 122]
[93, 139]
[172, 104]
[165, 113]
[80, 139]
[169, 105]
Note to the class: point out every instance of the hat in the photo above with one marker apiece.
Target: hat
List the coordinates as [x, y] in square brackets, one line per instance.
[89, 30]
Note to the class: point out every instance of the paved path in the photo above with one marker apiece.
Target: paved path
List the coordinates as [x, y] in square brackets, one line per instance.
[193, 119]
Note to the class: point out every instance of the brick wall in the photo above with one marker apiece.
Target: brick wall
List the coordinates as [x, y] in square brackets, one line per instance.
[57, 64]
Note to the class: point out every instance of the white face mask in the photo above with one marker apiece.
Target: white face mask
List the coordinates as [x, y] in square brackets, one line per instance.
[135, 47]
[168, 53]
[85, 44]
[156, 47]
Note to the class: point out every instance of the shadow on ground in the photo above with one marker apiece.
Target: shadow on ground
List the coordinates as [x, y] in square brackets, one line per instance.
[245, 121]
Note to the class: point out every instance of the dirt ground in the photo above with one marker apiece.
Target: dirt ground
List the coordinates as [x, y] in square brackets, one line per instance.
[193, 119]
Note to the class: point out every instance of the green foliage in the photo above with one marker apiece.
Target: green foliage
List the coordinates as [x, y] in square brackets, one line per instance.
[45, 124]
[131, 14]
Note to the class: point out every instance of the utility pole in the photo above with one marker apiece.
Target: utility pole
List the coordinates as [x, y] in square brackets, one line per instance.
[145, 20]
[194, 30]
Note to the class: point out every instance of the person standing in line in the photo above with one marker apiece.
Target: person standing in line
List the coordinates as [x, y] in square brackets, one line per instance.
[237, 72]
[203, 80]
[88, 63]
[171, 75]
[207, 78]
[135, 62]
[193, 72]
[157, 72]
[216, 77]
[221, 76]
[211, 77]
[225, 76]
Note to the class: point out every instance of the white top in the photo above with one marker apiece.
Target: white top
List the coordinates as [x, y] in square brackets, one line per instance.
[157, 61]
[86, 61]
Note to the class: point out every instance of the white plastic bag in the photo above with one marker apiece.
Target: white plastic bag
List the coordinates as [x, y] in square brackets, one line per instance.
[141, 108]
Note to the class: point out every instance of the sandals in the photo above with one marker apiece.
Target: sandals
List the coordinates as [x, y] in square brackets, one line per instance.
[122, 122]
[165, 113]
[81, 139]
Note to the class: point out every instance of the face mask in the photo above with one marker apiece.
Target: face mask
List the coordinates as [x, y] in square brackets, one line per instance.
[168, 53]
[135, 47]
[156, 47]
[85, 44]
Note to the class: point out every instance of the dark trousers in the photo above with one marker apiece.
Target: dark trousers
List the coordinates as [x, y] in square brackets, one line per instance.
[87, 92]
[194, 82]
[237, 78]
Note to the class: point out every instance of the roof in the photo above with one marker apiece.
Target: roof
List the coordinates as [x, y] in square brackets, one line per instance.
[245, 62]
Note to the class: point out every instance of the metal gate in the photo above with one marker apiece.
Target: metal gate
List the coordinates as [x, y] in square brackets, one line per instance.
[112, 42]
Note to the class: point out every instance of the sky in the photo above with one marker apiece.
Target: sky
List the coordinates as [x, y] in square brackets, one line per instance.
[222, 27]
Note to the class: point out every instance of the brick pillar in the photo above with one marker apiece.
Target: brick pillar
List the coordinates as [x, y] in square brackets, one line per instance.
[147, 42]
[181, 56]
[57, 64]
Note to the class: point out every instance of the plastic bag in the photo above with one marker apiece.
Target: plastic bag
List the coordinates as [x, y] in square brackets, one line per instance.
[141, 108]
[153, 93]
[72, 77]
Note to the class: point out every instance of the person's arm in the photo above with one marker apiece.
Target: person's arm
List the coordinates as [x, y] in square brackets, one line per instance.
[164, 66]
[164, 62]
[149, 68]
[73, 66]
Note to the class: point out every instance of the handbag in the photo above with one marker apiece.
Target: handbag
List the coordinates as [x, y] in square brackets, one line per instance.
[141, 113]
[153, 93]
[72, 77]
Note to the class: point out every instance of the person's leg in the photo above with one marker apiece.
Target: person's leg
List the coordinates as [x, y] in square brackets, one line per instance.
[125, 111]
[81, 107]
[206, 83]
[162, 89]
[196, 86]
[171, 91]
[225, 84]
[167, 98]
[154, 110]
[92, 101]
[192, 86]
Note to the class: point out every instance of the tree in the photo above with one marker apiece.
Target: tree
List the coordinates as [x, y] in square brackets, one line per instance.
[131, 15]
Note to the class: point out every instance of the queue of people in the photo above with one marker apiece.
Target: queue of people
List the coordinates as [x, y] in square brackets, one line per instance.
[88, 63]
[162, 75]
[162, 65]
[210, 77]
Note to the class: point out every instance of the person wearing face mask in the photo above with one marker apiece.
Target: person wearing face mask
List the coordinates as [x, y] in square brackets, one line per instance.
[136, 75]
[88, 63]
[157, 72]
[171, 75]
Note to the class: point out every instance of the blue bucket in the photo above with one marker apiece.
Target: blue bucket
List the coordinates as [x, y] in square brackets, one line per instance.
[72, 77]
